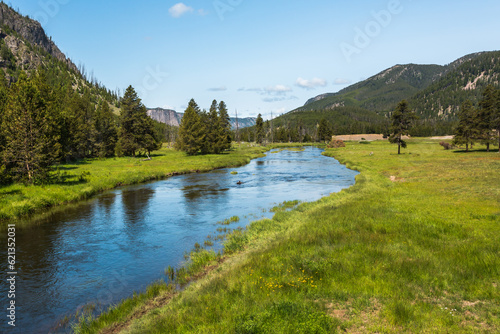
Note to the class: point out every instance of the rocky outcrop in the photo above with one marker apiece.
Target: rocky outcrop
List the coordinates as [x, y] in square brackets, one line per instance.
[27, 30]
[166, 116]
[173, 118]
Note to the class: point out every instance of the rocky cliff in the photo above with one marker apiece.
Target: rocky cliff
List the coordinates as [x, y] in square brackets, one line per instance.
[166, 116]
[173, 118]
[24, 42]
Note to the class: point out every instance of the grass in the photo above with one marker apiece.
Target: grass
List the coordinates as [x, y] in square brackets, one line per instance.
[85, 179]
[412, 247]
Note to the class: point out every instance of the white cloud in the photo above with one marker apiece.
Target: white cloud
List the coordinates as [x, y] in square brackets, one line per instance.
[180, 9]
[280, 98]
[341, 81]
[278, 90]
[311, 84]
[218, 89]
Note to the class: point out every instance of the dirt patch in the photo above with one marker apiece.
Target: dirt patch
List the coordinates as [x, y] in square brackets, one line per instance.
[466, 303]
[367, 137]
[396, 179]
[345, 312]
[155, 303]
[442, 138]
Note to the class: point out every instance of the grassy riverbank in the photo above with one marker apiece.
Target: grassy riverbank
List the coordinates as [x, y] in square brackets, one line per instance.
[85, 179]
[412, 247]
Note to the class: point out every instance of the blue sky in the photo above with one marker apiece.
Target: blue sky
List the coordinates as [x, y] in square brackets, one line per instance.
[258, 56]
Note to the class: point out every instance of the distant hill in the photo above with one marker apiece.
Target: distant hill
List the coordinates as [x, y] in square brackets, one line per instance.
[173, 118]
[383, 91]
[467, 81]
[435, 92]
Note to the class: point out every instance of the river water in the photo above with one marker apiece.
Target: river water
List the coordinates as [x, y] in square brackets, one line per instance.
[105, 249]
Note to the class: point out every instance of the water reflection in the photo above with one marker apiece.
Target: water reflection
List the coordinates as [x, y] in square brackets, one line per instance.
[103, 250]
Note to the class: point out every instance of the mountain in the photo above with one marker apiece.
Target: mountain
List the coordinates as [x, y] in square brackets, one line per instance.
[382, 92]
[467, 81]
[435, 92]
[173, 118]
[24, 44]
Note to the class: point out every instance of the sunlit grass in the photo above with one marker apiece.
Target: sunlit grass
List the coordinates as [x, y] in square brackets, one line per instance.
[411, 248]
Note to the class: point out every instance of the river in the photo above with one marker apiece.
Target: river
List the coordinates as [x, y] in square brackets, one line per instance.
[103, 250]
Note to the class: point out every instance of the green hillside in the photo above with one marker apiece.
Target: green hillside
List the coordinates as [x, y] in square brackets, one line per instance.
[442, 99]
[382, 91]
[435, 92]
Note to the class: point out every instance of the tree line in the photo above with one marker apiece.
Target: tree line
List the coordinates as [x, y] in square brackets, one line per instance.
[203, 132]
[43, 123]
[480, 124]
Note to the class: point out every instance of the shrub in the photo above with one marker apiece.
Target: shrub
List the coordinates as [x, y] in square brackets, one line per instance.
[336, 143]
[447, 146]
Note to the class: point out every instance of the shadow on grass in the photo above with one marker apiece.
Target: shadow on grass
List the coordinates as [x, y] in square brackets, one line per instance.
[11, 193]
[482, 150]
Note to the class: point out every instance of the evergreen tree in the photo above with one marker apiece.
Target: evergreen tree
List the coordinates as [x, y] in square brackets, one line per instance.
[29, 127]
[466, 130]
[191, 131]
[402, 120]
[3, 102]
[495, 119]
[83, 132]
[259, 129]
[485, 116]
[324, 130]
[212, 138]
[106, 131]
[225, 137]
[137, 128]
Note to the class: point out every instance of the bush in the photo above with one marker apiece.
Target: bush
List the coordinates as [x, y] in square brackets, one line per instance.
[335, 143]
[447, 146]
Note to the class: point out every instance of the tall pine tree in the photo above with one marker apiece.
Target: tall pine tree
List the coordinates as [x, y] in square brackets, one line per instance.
[259, 129]
[485, 116]
[402, 119]
[29, 127]
[137, 129]
[224, 127]
[3, 102]
[495, 119]
[466, 130]
[106, 131]
[192, 130]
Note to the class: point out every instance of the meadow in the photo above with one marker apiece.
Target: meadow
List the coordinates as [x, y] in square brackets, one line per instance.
[413, 247]
[81, 180]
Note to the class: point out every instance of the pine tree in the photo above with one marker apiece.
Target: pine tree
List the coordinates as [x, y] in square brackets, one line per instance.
[3, 102]
[225, 138]
[212, 139]
[485, 116]
[29, 127]
[495, 119]
[466, 130]
[259, 129]
[324, 130]
[191, 131]
[137, 128]
[402, 120]
[83, 132]
[106, 131]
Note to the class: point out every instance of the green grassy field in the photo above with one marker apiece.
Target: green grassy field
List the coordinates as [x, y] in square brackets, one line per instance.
[413, 247]
[85, 179]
